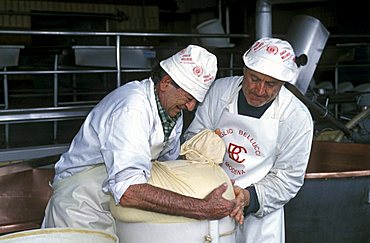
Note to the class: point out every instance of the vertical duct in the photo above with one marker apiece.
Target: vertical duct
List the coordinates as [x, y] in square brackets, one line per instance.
[308, 36]
[263, 19]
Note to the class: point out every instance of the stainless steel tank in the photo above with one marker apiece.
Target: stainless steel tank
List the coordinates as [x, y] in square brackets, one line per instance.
[308, 36]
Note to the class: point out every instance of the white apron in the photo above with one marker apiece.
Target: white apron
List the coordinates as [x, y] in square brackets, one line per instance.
[250, 154]
[79, 201]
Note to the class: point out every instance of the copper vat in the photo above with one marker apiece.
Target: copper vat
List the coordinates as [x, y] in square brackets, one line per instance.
[24, 193]
[333, 205]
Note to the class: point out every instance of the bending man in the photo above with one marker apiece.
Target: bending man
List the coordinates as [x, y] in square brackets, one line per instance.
[113, 151]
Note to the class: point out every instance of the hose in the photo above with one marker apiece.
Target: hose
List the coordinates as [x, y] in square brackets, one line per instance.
[323, 113]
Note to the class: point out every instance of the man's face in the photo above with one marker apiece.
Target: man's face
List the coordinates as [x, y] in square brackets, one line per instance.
[259, 89]
[174, 99]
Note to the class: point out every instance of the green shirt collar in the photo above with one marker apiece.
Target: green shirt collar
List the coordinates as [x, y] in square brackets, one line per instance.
[168, 123]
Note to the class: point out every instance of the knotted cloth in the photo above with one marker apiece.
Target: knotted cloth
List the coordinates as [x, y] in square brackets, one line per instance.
[196, 176]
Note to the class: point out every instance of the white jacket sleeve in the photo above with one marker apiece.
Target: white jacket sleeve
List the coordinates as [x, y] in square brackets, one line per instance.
[128, 160]
[286, 177]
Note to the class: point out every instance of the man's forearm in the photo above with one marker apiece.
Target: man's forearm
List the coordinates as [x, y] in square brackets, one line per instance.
[151, 198]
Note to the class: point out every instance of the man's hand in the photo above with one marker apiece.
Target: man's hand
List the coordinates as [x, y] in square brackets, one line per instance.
[218, 132]
[242, 200]
[216, 205]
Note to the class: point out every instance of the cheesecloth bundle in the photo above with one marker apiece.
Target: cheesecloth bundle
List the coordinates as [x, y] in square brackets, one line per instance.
[195, 176]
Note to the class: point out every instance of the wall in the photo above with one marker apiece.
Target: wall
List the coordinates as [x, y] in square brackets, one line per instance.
[15, 14]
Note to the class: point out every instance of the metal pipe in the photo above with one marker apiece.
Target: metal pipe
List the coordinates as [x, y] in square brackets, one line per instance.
[324, 114]
[45, 113]
[120, 16]
[336, 81]
[127, 34]
[118, 56]
[6, 91]
[353, 122]
[263, 19]
[76, 71]
[55, 96]
[227, 20]
[6, 106]
[220, 10]
[264, 15]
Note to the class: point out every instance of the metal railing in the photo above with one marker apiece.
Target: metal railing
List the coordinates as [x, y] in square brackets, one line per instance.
[57, 112]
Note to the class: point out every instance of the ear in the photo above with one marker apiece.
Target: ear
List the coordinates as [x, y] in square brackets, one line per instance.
[164, 83]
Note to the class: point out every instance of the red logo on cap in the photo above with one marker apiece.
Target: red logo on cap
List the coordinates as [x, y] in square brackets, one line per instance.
[272, 49]
[198, 71]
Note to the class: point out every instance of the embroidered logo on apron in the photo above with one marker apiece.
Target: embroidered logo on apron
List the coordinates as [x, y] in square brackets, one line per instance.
[234, 151]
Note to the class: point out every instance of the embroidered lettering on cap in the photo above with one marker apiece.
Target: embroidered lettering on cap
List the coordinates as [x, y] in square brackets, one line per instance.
[258, 46]
[187, 59]
[285, 55]
[208, 78]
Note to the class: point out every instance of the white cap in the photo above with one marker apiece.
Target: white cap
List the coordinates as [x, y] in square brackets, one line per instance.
[193, 69]
[273, 57]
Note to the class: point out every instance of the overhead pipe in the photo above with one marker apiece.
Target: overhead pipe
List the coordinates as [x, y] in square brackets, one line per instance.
[264, 15]
[263, 19]
[118, 16]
